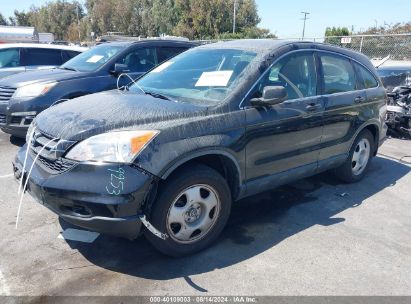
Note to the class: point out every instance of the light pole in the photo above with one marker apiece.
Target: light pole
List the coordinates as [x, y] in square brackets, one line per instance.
[235, 7]
[305, 18]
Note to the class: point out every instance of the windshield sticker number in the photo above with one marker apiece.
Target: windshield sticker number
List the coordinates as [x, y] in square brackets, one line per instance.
[94, 59]
[214, 79]
[117, 180]
[162, 67]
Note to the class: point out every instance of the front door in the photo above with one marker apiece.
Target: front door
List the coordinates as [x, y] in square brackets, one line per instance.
[283, 140]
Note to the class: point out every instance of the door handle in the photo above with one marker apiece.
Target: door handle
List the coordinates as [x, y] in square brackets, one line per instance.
[359, 99]
[313, 106]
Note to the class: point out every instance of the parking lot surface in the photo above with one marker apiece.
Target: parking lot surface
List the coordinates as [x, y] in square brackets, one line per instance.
[313, 237]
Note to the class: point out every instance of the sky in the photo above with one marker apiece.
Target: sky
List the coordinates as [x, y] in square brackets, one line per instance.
[283, 18]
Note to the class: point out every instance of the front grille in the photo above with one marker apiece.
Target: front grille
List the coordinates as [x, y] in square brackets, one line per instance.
[2, 118]
[57, 166]
[50, 152]
[6, 93]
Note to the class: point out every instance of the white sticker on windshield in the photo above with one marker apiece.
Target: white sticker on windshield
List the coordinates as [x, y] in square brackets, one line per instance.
[95, 58]
[214, 79]
[162, 67]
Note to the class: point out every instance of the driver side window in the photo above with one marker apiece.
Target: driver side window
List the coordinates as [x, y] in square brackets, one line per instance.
[296, 73]
[140, 60]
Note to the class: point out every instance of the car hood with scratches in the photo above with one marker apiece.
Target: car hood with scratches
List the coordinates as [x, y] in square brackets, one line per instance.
[94, 114]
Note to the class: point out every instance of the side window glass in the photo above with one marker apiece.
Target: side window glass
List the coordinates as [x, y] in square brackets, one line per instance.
[368, 80]
[140, 60]
[339, 74]
[9, 58]
[34, 56]
[296, 73]
[165, 53]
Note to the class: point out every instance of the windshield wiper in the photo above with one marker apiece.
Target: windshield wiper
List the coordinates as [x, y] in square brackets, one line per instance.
[157, 95]
[68, 69]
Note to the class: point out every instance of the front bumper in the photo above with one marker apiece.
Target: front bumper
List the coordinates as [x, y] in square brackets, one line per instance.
[106, 198]
[15, 120]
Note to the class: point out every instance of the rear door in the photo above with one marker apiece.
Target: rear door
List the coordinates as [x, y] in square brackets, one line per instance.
[283, 140]
[343, 98]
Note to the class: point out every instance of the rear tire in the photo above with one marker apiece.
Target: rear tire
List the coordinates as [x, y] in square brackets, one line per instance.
[357, 163]
[192, 208]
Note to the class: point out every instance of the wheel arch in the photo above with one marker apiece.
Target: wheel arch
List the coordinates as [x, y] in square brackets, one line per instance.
[220, 160]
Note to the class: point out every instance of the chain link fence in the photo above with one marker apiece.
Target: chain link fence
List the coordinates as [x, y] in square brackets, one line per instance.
[376, 46]
[398, 46]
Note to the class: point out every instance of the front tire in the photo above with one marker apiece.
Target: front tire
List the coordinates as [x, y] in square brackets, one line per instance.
[192, 208]
[356, 165]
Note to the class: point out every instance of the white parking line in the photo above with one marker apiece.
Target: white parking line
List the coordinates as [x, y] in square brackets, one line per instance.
[4, 289]
[5, 176]
[78, 235]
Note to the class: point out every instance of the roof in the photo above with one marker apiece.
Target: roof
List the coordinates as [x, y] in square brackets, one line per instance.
[257, 45]
[43, 46]
[17, 30]
[126, 43]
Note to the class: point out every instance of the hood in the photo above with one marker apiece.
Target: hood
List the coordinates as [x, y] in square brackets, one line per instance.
[94, 114]
[39, 76]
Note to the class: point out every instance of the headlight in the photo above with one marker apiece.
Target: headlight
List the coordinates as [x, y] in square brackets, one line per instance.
[119, 147]
[33, 90]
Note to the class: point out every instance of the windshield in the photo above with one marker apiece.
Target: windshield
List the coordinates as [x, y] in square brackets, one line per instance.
[201, 76]
[92, 59]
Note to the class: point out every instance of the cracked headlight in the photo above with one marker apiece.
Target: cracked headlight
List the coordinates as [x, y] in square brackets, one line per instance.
[118, 147]
[33, 90]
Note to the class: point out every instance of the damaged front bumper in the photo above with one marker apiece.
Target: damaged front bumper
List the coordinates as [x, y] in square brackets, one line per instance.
[106, 198]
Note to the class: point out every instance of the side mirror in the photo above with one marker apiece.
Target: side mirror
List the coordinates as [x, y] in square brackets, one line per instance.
[271, 95]
[120, 68]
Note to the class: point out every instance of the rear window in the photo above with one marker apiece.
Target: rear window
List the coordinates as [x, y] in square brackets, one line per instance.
[338, 73]
[9, 58]
[165, 53]
[34, 56]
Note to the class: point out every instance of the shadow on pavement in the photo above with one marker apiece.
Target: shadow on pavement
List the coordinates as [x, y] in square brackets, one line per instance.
[256, 224]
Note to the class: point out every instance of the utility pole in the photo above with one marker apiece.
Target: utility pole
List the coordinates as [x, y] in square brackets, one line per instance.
[235, 8]
[305, 18]
[78, 24]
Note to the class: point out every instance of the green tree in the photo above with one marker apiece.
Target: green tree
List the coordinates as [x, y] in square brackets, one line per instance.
[3, 21]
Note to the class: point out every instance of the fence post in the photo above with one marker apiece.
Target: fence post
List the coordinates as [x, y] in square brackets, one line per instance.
[362, 40]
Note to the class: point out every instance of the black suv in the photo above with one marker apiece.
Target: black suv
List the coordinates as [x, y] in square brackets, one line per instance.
[215, 124]
[23, 96]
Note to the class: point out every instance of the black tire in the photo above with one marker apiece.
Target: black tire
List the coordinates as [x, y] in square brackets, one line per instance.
[346, 172]
[188, 177]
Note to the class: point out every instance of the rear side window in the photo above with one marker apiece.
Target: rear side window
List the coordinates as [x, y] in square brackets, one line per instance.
[366, 78]
[34, 56]
[338, 73]
[67, 55]
[9, 58]
[165, 53]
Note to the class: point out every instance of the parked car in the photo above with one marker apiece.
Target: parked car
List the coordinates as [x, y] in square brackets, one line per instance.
[25, 95]
[21, 57]
[215, 124]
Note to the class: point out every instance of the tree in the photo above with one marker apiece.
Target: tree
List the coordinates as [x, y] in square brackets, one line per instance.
[3, 21]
